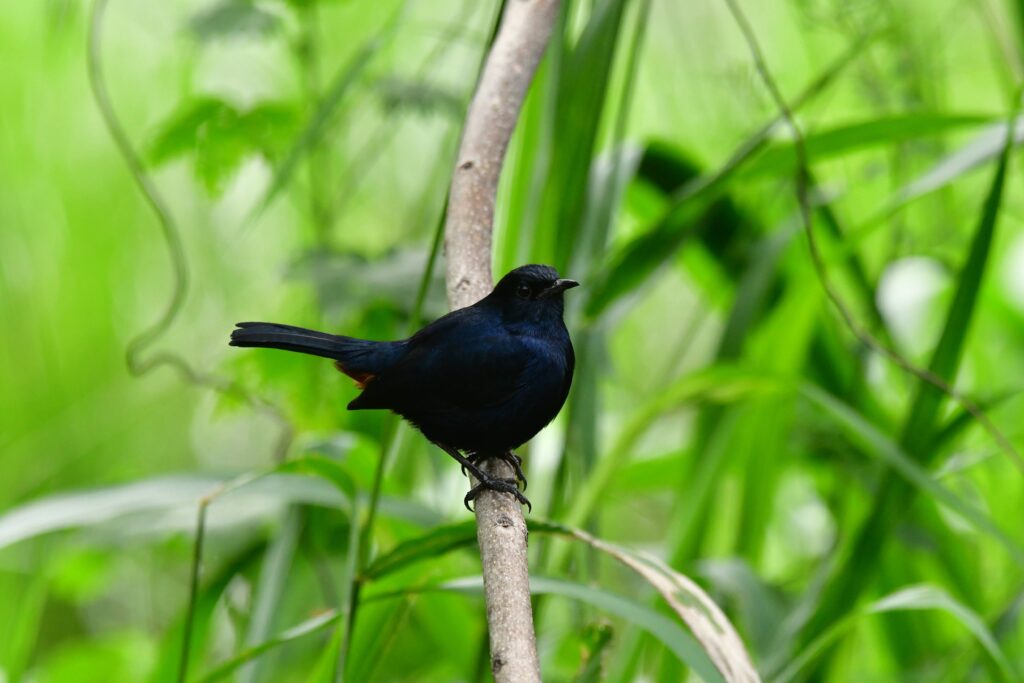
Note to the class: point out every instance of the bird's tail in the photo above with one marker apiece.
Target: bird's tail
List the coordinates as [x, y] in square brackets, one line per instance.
[358, 358]
[289, 338]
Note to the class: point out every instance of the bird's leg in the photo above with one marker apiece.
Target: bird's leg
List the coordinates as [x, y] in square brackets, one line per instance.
[500, 485]
[509, 457]
[487, 482]
[516, 463]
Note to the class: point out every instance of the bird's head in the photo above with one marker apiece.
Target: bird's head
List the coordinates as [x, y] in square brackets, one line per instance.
[531, 292]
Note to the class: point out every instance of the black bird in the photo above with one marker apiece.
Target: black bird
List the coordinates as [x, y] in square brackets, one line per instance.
[478, 382]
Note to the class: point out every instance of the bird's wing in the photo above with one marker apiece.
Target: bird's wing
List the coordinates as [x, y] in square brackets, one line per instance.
[464, 359]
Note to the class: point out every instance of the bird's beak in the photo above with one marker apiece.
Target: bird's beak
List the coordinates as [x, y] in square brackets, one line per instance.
[558, 286]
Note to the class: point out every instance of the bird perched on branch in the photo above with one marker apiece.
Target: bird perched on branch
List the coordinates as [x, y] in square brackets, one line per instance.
[478, 382]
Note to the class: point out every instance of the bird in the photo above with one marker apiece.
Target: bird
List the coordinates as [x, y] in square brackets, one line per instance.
[478, 382]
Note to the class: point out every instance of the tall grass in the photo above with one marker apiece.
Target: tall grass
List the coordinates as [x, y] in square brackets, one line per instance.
[728, 423]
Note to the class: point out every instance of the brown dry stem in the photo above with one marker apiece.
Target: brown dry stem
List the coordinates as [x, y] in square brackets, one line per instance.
[501, 529]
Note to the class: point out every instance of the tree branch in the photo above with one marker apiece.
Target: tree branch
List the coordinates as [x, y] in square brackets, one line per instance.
[501, 530]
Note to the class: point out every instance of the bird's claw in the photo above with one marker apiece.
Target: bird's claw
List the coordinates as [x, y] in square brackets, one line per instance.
[516, 463]
[508, 457]
[499, 485]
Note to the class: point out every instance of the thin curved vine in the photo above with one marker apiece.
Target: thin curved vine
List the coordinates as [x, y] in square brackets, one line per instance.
[804, 189]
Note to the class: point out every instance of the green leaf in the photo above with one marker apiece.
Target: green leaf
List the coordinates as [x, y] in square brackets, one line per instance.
[871, 441]
[308, 627]
[928, 597]
[677, 640]
[335, 94]
[698, 611]
[911, 598]
[632, 264]
[22, 620]
[584, 74]
[421, 97]
[757, 604]
[437, 542]
[707, 622]
[717, 384]
[169, 658]
[233, 18]
[327, 469]
[273, 579]
[219, 137]
[894, 496]
[946, 358]
[987, 146]
[961, 419]
[780, 158]
[161, 500]
[687, 600]
[597, 640]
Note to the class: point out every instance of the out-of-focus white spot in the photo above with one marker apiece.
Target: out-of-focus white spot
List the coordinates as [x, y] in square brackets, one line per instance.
[906, 295]
[808, 523]
[1013, 273]
[546, 447]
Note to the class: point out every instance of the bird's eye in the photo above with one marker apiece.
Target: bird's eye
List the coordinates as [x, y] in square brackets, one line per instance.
[523, 292]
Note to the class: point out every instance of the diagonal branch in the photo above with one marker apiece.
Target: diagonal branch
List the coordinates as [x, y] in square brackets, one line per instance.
[501, 530]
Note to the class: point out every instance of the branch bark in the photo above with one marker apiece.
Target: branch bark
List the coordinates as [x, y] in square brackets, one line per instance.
[501, 529]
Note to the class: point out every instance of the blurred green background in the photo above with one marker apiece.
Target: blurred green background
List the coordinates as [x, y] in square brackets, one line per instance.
[854, 522]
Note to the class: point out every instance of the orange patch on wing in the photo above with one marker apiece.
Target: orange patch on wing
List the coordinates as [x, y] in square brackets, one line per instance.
[361, 378]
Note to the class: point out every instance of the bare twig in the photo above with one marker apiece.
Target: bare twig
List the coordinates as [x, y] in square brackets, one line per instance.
[501, 530]
[520, 43]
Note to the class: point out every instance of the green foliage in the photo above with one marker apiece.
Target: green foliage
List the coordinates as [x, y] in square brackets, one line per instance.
[232, 18]
[220, 137]
[851, 520]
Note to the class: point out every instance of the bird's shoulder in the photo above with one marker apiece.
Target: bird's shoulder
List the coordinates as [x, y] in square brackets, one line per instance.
[472, 339]
[472, 321]
[470, 358]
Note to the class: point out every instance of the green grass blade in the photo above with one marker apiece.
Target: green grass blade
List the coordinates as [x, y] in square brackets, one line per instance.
[872, 441]
[780, 158]
[690, 603]
[635, 262]
[927, 597]
[580, 102]
[336, 92]
[958, 422]
[687, 600]
[435, 542]
[168, 658]
[270, 587]
[22, 627]
[311, 480]
[894, 496]
[946, 358]
[250, 654]
[718, 384]
[910, 598]
[988, 146]
[676, 639]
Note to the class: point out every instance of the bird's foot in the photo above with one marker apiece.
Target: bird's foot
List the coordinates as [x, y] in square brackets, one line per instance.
[516, 463]
[509, 457]
[499, 485]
